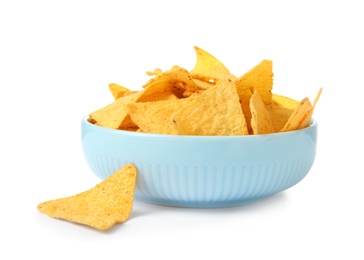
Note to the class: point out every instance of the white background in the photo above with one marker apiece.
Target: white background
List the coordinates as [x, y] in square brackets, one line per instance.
[56, 61]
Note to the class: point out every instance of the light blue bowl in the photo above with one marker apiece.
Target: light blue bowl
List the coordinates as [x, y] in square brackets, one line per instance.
[202, 171]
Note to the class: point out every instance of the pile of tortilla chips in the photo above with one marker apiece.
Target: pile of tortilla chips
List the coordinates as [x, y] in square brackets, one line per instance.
[207, 100]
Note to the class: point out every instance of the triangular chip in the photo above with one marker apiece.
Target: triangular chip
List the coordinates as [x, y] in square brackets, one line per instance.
[280, 109]
[118, 91]
[114, 115]
[216, 111]
[284, 101]
[104, 205]
[298, 116]
[155, 117]
[279, 115]
[155, 72]
[203, 84]
[302, 115]
[260, 78]
[306, 121]
[177, 80]
[208, 68]
[261, 121]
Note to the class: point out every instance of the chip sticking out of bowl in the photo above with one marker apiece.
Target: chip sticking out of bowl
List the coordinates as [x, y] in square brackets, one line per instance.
[101, 207]
[186, 102]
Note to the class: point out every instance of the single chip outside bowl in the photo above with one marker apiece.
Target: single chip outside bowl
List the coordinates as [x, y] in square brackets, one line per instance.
[202, 171]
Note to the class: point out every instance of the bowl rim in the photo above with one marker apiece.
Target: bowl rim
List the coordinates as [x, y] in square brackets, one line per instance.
[102, 129]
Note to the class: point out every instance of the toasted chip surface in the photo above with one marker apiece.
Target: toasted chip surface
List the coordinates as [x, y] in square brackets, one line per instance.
[261, 121]
[177, 80]
[115, 115]
[101, 207]
[208, 67]
[118, 91]
[298, 116]
[216, 111]
[155, 117]
[260, 78]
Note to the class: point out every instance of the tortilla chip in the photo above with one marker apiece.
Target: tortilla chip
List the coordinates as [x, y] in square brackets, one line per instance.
[155, 72]
[176, 80]
[279, 115]
[101, 207]
[284, 101]
[302, 115]
[307, 120]
[155, 117]
[298, 116]
[114, 115]
[260, 78]
[203, 84]
[215, 111]
[118, 91]
[261, 121]
[209, 68]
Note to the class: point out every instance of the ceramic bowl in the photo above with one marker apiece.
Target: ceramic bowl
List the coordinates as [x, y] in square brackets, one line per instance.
[202, 171]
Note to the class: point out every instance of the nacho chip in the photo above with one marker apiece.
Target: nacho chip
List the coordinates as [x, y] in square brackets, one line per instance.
[101, 207]
[261, 121]
[302, 115]
[203, 84]
[156, 94]
[215, 111]
[279, 115]
[155, 72]
[155, 117]
[280, 109]
[209, 68]
[307, 120]
[118, 91]
[115, 115]
[298, 116]
[284, 101]
[177, 80]
[260, 78]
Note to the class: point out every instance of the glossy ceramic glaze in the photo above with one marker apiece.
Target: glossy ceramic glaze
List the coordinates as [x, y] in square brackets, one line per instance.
[202, 171]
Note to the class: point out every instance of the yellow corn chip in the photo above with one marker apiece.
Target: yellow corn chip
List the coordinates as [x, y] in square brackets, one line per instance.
[284, 101]
[260, 78]
[101, 207]
[176, 80]
[306, 121]
[215, 111]
[203, 84]
[298, 116]
[302, 115]
[155, 72]
[209, 68]
[279, 115]
[261, 121]
[155, 117]
[114, 115]
[118, 91]
[280, 109]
